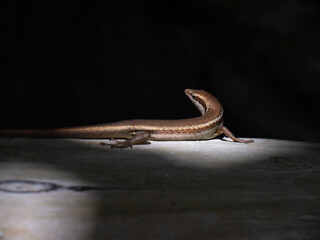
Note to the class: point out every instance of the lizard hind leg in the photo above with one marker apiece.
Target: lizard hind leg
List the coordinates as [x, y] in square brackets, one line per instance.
[139, 137]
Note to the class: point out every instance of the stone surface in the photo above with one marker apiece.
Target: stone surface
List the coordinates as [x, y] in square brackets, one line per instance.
[79, 189]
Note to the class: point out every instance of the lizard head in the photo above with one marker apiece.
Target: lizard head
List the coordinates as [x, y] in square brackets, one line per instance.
[199, 98]
[205, 102]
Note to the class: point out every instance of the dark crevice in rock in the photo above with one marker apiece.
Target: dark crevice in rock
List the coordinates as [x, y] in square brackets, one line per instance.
[29, 186]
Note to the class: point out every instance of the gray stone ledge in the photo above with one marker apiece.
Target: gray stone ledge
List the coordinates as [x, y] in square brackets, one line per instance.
[79, 189]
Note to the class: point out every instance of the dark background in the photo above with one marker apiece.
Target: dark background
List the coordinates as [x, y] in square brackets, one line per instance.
[69, 64]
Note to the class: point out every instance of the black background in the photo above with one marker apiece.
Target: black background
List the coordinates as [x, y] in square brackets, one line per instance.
[88, 62]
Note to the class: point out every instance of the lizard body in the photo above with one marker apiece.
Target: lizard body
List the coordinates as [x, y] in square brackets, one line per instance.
[209, 125]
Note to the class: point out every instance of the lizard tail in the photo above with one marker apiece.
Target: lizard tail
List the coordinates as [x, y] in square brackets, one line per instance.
[75, 132]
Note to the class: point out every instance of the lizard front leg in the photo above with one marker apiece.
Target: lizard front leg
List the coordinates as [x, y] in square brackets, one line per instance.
[139, 137]
[224, 130]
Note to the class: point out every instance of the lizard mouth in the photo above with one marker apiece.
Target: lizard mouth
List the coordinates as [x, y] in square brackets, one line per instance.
[188, 91]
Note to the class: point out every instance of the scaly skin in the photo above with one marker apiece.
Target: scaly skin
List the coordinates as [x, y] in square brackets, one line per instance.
[207, 126]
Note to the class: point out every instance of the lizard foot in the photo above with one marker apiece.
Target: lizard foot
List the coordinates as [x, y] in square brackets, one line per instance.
[139, 137]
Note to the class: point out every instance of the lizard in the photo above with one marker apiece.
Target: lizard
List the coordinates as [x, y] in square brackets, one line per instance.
[139, 131]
